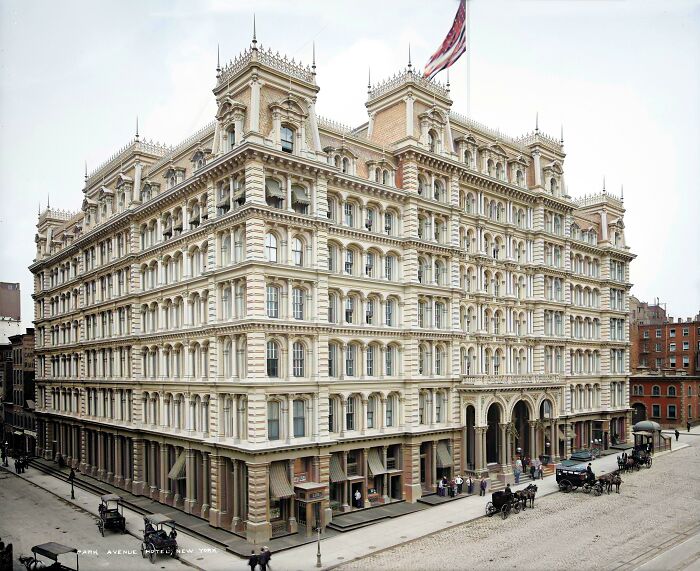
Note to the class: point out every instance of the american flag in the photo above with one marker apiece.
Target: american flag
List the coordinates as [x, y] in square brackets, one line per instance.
[453, 46]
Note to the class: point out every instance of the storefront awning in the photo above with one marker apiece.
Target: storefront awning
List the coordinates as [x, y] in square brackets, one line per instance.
[444, 457]
[280, 487]
[376, 466]
[337, 472]
[177, 472]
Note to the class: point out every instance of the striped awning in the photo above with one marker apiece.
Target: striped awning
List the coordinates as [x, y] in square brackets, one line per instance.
[444, 457]
[273, 189]
[376, 466]
[299, 196]
[280, 487]
[177, 472]
[337, 472]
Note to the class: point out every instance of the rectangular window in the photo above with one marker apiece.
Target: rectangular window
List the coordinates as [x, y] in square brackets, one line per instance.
[657, 347]
[672, 361]
[390, 411]
[350, 414]
[273, 305]
[658, 333]
[646, 335]
[299, 424]
[672, 347]
[349, 215]
[332, 361]
[370, 361]
[655, 410]
[298, 303]
[273, 421]
[686, 331]
[659, 362]
[686, 361]
[671, 411]
[389, 313]
[671, 332]
[686, 345]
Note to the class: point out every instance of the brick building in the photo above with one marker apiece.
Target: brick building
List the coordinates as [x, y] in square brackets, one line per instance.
[9, 311]
[670, 398]
[666, 344]
[18, 420]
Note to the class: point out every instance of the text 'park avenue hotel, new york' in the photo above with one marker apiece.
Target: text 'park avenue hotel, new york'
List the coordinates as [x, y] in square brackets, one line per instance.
[281, 311]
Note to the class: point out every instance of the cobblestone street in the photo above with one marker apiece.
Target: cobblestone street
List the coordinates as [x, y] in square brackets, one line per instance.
[656, 507]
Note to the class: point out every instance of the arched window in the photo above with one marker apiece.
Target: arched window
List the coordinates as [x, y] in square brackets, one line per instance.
[350, 361]
[390, 357]
[298, 252]
[432, 141]
[287, 139]
[231, 137]
[656, 390]
[390, 410]
[346, 165]
[273, 359]
[671, 391]
[298, 359]
[271, 247]
[389, 312]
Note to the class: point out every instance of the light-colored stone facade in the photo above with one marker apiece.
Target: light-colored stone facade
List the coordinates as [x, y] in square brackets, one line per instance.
[281, 311]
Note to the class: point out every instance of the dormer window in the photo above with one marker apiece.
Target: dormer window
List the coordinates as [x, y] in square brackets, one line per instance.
[199, 160]
[231, 137]
[432, 141]
[146, 194]
[287, 139]
[346, 165]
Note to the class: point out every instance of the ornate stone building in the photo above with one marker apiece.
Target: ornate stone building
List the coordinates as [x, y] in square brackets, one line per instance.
[280, 311]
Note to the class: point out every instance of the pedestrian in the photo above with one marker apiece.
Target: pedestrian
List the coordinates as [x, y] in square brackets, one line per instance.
[540, 471]
[441, 488]
[470, 485]
[517, 476]
[268, 556]
[482, 486]
[263, 559]
[532, 471]
[252, 560]
[71, 476]
[687, 425]
[16, 467]
[460, 483]
[358, 499]
[677, 434]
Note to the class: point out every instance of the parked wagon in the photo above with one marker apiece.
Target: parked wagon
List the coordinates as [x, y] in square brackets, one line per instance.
[502, 502]
[111, 512]
[156, 539]
[51, 551]
[572, 477]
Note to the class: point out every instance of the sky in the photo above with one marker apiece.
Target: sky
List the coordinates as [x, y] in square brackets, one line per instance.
[621, 77]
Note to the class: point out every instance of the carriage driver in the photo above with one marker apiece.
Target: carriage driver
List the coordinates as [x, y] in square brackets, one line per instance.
[590, 476]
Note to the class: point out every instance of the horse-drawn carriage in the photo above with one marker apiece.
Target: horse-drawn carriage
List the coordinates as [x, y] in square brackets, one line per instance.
[572, 477]
[111, 512]
[503, 502]
[156, 540]
[640, 457]
[51, 551]
[526, 495]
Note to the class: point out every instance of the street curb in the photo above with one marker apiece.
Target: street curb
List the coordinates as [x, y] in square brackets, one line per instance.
[92, 515]
[452, 526]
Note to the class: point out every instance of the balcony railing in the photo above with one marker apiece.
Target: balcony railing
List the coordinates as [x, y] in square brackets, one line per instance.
[512, 380]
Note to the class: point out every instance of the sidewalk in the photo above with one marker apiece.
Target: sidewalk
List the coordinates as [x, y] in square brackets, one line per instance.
[341, 547]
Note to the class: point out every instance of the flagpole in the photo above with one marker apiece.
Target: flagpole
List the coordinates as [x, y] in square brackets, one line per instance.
[467, 20]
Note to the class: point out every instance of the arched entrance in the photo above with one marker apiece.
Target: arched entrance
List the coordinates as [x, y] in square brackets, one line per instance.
[493, 434]
[639, 413]
[470, 438]
[520, 430]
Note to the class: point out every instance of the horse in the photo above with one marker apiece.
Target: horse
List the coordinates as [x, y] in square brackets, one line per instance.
[31, 563]
[617, 480]
[530, 492]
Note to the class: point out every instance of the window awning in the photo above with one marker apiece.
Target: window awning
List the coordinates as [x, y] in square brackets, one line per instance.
[444, 457]
[337, 472]
[273, 189]
[376, 466]
[299, 196]
[280, 487]
[238, 194]
[177, 472]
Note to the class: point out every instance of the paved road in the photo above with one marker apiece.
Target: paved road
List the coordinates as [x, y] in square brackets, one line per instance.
[653, 523]
[30, 515]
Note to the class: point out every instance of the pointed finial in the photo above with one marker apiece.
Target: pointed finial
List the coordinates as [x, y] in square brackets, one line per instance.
[86, 175]
[537, 122]
[447, 85]
[369, 79]
[48, 201]
[604, 183]
[40, 208]
[218, 61]
[255, 39]
[313, 56]
[410, 65]
[561, 137]
[137, 127]
[622, 192]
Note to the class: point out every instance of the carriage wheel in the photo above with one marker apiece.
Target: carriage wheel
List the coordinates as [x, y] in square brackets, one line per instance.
[152, 553]
[565, 486]
[597, 490]
[649, 460]
[143, 550]
[489, 509]
[586, 488]
[504, 510]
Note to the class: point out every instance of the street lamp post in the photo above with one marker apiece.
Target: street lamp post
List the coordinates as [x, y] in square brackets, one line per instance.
[318, 547]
